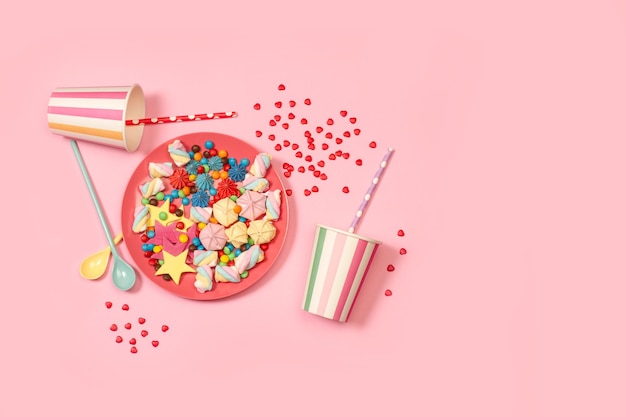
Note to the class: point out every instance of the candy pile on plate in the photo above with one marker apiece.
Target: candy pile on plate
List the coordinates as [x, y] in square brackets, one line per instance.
[206, 213]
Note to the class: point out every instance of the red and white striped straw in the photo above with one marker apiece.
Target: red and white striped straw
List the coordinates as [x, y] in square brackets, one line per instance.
[370, 191]
[185, 118]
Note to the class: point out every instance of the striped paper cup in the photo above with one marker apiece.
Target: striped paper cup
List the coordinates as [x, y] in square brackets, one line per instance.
[339, 263]
[98, 114]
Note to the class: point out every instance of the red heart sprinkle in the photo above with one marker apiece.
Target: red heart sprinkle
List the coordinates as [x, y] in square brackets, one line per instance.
[281, 87]
[292, 103]
[311, 146]
[400, 232]
[338, 153]
[155, 343]
[311, 168]
[339, 141]
[321, 163]
[258, 133]
[372, 144]
[343, 113]
[278, 147]
[271, 137]
[345, 190]
[132, 341]
[285, 165]
[314, 189]
[287, 174]
[113, 327]
[125, 307]
[291, 116]
[286, 143]
[324, 146]
[346, 155]
[298, 154]
[332, 157]
[316, 173]
[388, 293]
[295, 146]
[119, 339]
[277, 117]
[319, 129]
[141, 320]
[323, 177]
[330, 122]
[307, 193]
[359, 162]
[257, 106]
[307, 134]
[303, 121]
[402, 251]
[272, 122]
[133, 350]
[291, 168]
[353, 120]
[307, 101]
[278, 104]
[301, 169]
[328, 135]
[285, 125]
[346, 134]
[308, 158]
[391, 268]
[144, 333]
[108, 304]
[128, 325]
[164, 328]
[310, 140]
[288, 192]
[357, 132]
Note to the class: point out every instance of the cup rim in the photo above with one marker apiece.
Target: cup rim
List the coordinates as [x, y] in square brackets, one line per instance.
[334, 229]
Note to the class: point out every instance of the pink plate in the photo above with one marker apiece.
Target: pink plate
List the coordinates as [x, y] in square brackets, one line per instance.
[132, 198]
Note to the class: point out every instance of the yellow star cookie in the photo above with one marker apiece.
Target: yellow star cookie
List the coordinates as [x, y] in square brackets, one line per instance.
[175, 266]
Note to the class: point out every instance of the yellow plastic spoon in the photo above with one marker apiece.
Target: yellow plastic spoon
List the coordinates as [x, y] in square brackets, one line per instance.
[95, 265]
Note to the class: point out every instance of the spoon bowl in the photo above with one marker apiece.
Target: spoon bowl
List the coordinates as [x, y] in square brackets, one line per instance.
[95, 265]
[123, 274]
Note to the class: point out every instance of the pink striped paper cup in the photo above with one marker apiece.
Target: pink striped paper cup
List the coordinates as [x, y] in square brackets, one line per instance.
[98, 114]
[339, 263]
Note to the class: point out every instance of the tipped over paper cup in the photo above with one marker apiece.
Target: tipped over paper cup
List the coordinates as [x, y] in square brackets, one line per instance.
[98, 114]
[339, 263]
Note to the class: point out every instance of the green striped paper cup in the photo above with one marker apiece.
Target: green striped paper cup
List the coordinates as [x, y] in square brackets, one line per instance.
[339, 263]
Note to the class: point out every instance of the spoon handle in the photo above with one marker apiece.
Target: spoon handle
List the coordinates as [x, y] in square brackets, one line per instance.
[94, 197]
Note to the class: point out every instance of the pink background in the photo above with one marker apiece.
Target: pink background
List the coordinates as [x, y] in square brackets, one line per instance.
[508, 181]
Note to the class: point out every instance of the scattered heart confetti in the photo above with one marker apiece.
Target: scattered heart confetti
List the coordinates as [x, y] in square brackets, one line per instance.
[319, 129]
[133, 349]
[108, 304]
[257, 106]
[286, 143]
[298, 154]
[402, 251]
[346, 155]
[292, 103]
[164, 328]
[281, 87]
[128, 326]
[295, 146]
[119, 339]
[277, 117]
[307, 192]
[359, 162]
[338, 141]
[330, 122]
[285, 125]
[353, 120]
[345, 190]
[278, 104]
[307, 101]
[357, 132]
[125, 307]
[113, 327]
[144, 333]
[258, 133]
[321, 164]
[372, 144]
[271, 137]
[400, 232]
[323, 177]
[272, 122]
[314, 189]
[324, 146]
[343, 113]
[391, 268]
[141, 320]
[308, 158]
[278, 147]
[301, 169]
[346, 134]
[132, 341]
[291, 116]
[155, 343]
[288, 192]
[332, 156]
